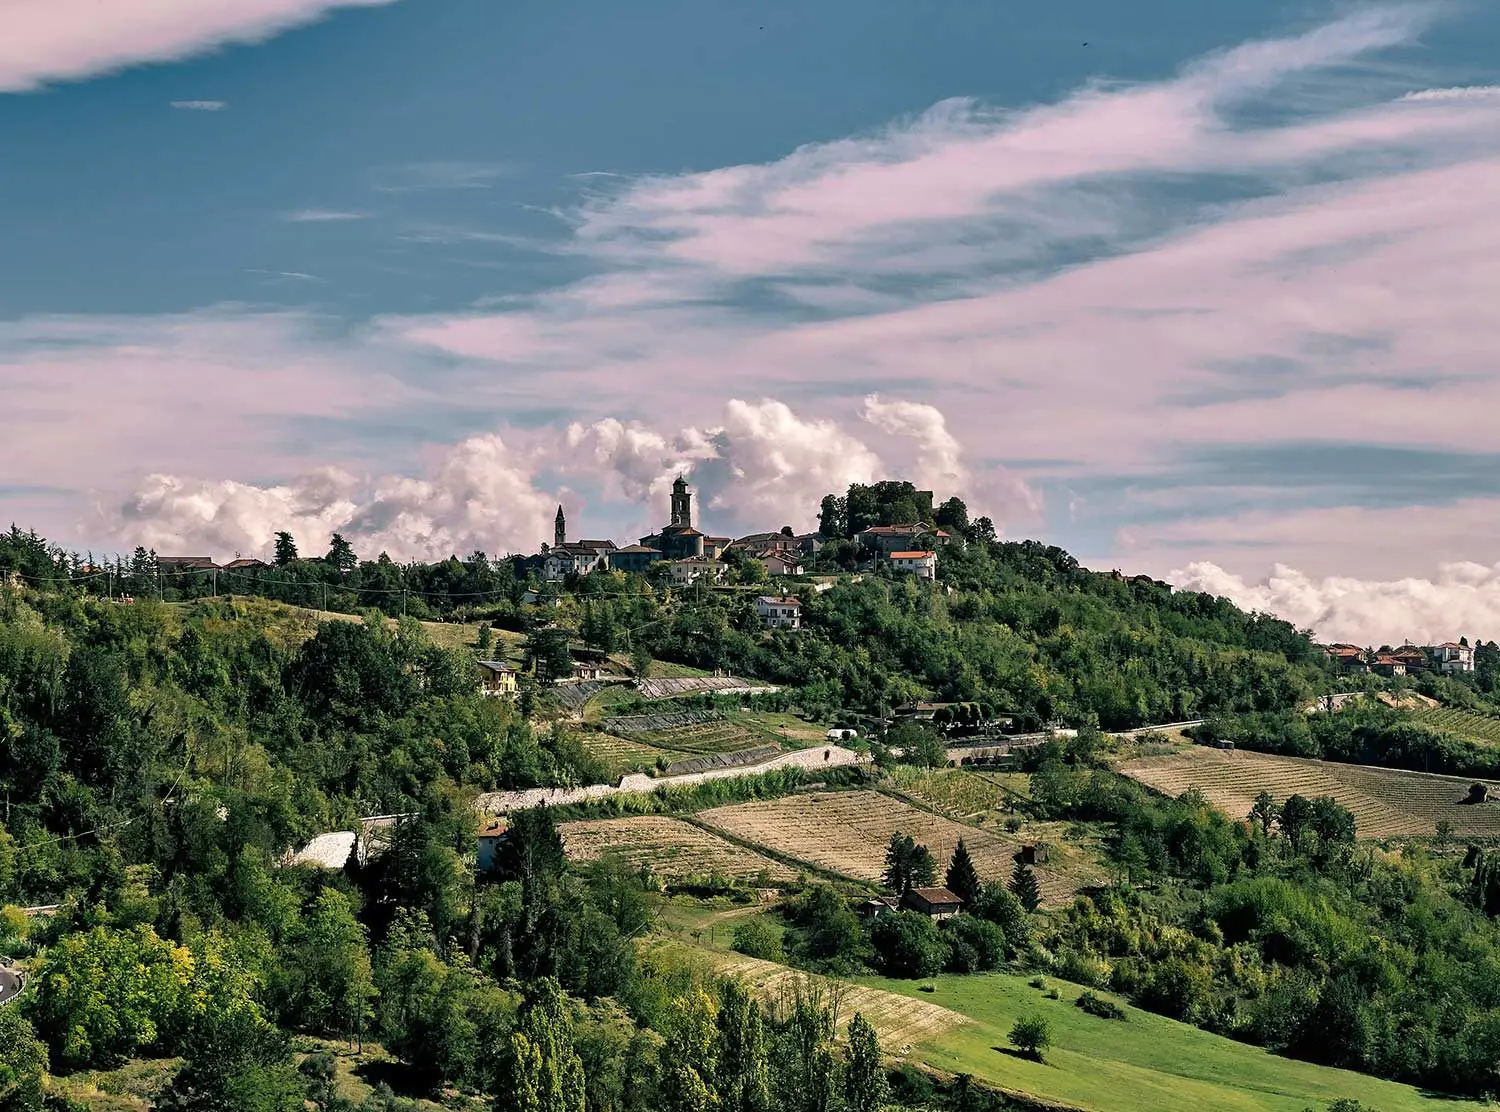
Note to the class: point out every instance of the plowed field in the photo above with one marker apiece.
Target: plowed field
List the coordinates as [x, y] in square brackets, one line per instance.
[669, 848]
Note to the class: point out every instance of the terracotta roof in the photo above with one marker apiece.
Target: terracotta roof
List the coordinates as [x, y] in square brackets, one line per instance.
[911, 555]
[1452, 645]
[770, 600]
[493, 829]
[637, 548]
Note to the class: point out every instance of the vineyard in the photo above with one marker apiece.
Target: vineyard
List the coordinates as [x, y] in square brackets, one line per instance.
[1477, 726]
[699, 685]
[695, 733]
[1385, 802]
[848, 832]
[668, 848]
[623, 754]
[960, 793]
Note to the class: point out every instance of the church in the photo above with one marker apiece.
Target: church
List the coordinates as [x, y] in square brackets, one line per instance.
[678, 540]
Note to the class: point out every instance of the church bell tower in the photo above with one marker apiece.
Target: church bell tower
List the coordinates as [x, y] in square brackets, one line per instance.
[560, 529]
[682, 504]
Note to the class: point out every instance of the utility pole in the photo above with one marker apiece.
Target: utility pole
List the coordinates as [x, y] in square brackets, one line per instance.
[215, 574]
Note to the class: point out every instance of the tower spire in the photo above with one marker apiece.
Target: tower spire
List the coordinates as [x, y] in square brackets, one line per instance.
[682, 503]
[560, 528]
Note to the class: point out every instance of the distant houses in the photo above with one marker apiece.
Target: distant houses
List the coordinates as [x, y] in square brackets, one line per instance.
[1449, 658]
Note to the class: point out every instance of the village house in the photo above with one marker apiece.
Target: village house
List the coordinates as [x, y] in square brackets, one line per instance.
[780, 561]
[878, 907]
[636, 558]
[1452, 658]
[778, 613]
[935, 903]
[176, 564]
[496, 678]
[715, 547]
[584, 671]
[1415, 659]
[245, 564]
[1348, 658]
[684, 573]
[487, 843]
[1385, 664]
[921, 564]
[886, 539]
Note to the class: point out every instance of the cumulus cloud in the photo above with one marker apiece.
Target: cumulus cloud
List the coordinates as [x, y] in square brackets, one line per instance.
[64, 40]
[480, 494]
[200, 105]
[765, 465]
[1463, 599]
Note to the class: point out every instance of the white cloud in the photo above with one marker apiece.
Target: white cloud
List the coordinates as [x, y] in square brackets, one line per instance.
[200, 105]
[1463, 599]
[479, 495]
[64, 40]
[1460, 92]
[322, 216]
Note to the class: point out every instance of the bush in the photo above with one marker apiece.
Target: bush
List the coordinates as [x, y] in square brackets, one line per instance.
[1081, 968]
[756, 938]
[908, 945]
[1031, 1035]
[1097, 1005]
[974, 944]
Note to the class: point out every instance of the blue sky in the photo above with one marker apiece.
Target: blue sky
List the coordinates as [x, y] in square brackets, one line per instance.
[1186, 288]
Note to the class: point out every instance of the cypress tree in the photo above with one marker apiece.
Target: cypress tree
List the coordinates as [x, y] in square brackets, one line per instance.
[1024, 886]
[962, 878]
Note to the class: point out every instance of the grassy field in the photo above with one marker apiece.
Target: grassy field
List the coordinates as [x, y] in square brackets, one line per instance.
[848, 832]
[1385, 802]
[1142, 1064]
[669, 848]
[1479, 727]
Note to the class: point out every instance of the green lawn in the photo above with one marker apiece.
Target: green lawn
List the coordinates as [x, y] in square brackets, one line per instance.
[1142, 1064]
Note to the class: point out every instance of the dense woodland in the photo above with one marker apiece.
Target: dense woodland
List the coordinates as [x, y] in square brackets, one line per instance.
[160, 758]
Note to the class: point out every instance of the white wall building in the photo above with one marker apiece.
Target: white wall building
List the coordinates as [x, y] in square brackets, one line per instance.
[779, 613]
[921, 564]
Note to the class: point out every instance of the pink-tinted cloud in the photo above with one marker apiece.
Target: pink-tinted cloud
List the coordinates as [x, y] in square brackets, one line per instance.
[65, 40]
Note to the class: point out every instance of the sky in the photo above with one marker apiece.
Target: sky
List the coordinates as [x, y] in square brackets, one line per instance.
[1205, 291]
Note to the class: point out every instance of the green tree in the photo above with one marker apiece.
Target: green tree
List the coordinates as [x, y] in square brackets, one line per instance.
[1264, 813]
[340, 554]
[542, 1072]
[865, 1088]
[807, 1075]
[104, 995]
[999, 905]
[286, 549]
[23, 1064]
[547, 654]
[1024, 886]
[1031, 1035]
[330, 985]
[962, 879]
[908, 944]
[756, 938]
[744, 1071]
[1294, 820]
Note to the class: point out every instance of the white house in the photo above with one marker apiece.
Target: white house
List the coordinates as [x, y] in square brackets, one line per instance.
[576, 558]
[921, 564]
[684, 573]
[779, 613]
[780, 561]
[1451, 658]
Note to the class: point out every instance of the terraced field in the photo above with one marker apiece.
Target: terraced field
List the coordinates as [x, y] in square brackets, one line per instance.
[1385, 802]
[1480, 727]
[668, 847]
[622, 754]
[848, 832]
[962, 793]
[900, 1021]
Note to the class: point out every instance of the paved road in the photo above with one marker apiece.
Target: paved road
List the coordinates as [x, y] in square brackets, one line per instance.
[10, 985]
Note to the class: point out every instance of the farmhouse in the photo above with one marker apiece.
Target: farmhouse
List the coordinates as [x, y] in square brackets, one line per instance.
[175, 565]
[935, 903]
[1385, 664]
[779, 613]
[879, 906]
[496, 678]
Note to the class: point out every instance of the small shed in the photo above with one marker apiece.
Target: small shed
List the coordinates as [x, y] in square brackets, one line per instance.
[935, 903]
[1224, 744]
[1035, 854]
[880, 905]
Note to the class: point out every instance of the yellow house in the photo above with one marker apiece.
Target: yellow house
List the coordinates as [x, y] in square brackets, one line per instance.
[496, 678]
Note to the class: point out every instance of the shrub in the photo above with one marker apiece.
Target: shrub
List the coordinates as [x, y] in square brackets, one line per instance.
[1031, 1035]
[1097, 1005]
[908, 945]
[756, 938]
